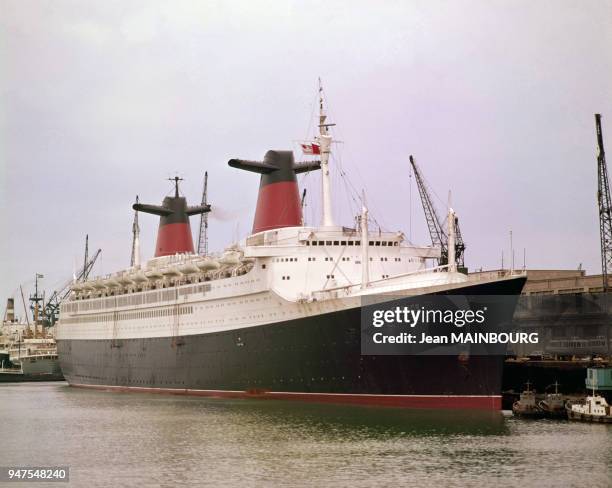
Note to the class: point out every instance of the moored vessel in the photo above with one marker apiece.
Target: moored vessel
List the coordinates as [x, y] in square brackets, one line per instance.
[276, 315]
[553, 404]
[526, 406]
[595, 407]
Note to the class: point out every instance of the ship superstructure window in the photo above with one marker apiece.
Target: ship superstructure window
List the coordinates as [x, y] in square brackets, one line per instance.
[328, 243]
[330, 276]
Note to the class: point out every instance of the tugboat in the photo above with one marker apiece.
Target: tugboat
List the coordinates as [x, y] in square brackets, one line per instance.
[526, 406]
[553, 404]
[595, 407]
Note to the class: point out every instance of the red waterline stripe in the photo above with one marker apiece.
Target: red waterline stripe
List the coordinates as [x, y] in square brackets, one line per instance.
[474, 402]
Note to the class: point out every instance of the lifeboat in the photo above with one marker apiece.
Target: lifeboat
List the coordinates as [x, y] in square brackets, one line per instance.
[207, 264]
[98, 284]
[230, 257]
[76, 286]
[138, 277]
[153, 275]
[87, 285]
[111, 283]
[188, 268]
[171, 272]
[125, 280]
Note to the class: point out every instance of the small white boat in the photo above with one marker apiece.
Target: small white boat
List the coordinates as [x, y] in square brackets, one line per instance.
[594, 408]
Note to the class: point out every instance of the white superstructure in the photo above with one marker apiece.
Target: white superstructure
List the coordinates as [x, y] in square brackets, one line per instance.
[272, 276]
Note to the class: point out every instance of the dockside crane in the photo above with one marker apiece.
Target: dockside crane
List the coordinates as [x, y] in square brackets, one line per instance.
[605, 207]
[52, 306]
[203, 239]
[437, 231]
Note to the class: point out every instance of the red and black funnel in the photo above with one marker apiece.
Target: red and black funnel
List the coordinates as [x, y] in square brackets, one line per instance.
[174, 234]
[278, 203]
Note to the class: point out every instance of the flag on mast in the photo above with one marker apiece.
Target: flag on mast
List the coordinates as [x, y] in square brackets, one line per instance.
[311, 148]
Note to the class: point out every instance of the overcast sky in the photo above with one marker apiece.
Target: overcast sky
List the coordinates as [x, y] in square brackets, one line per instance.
[103, 100]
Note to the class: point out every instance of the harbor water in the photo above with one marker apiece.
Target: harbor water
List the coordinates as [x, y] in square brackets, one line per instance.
[133, 439]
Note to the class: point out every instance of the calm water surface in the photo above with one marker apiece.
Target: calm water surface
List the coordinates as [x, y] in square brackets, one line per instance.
[132, 439]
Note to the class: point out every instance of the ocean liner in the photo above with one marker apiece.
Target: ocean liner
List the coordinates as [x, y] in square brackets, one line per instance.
[276, 316]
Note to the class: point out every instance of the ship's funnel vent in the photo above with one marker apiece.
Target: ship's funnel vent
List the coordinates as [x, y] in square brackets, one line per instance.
[174, 234]
[10, 310]
[278, 202]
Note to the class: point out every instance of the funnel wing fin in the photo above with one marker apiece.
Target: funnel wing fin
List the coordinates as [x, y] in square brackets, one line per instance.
[306, 166]
[254, 166]
[200, 209]
[152, 209]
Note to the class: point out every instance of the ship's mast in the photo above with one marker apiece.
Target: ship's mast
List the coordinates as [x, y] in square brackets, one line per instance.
[325, 141]
[365, 261]
[86, 250]
[203, 239]
[135, 259]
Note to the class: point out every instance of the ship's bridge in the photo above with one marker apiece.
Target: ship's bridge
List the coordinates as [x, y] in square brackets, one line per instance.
[279, 241]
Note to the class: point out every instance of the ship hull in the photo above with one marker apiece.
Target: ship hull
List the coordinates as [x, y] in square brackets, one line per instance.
[309, 359]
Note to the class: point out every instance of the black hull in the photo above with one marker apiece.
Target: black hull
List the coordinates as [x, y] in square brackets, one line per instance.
[8, 377]
[316, 358]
